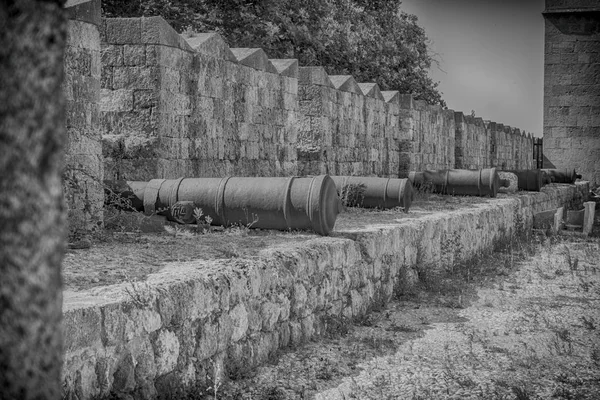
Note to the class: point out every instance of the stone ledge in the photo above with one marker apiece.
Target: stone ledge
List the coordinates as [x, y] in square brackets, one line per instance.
[211, 44]
[254, 58]
[314, 76]
[286, 67]
[391, 96]
[84, 11]
[345, 83]
[370, 89]
[237, 312]
[143, 30]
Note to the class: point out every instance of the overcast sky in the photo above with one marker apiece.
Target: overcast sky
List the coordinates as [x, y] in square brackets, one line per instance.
[492, 56]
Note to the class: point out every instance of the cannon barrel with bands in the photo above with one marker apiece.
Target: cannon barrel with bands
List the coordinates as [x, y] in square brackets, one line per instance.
[303, 203]
[483, 182]
[531, 179]
[373, 192]
[562, 175]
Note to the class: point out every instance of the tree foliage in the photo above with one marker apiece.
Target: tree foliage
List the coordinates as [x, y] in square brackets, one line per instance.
[373, 40]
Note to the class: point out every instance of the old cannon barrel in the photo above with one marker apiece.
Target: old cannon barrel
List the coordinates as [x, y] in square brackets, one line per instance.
[562, 175]
[483, 182]
[373, 192]
[530, 179]
[308, 203]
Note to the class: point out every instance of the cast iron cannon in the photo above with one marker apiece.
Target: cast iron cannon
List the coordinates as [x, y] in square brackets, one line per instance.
[531, 179]
[307, 203]
[483, 182]
[562, 175]
[372, 192]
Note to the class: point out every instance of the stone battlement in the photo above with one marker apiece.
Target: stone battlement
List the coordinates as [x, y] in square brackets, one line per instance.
[157, 104]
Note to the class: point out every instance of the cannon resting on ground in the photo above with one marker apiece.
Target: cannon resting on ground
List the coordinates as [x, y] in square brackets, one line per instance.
[483, 182]
[562, 175]
[531, 179]
[373, 192]
[305, 203]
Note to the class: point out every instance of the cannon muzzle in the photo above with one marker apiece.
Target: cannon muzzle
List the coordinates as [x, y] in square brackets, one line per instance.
[562, 175]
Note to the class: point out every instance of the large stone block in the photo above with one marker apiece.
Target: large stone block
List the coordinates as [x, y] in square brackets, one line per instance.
[155, 30]
[166, 352]
[123, 30]
[211, 44]
[82, 328]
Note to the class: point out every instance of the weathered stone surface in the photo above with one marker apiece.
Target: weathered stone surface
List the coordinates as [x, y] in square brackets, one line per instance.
[207, 341]
[123, 30]
[83, 174]
[32, 227]
[221, 111]
[571, 95]
[124, 376]
[544, 219]
[313, 76]
[212, 44]
[254, 58]
[371, 90]
[391, 96]
[82, 328]
[575, 218]
[166, 351]
[345, 83]
[239, 319]
[84, 10]
[155, 30]
[512, 178]
[286, 67]
[588, 217]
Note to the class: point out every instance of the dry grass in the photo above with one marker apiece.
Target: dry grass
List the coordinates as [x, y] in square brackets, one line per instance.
[514, 329]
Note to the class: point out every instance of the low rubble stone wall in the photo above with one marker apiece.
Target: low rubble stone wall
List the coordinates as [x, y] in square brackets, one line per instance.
[172, 332]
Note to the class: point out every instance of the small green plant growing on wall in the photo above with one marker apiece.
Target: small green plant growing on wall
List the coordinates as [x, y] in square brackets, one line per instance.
[216, 380]
[140, 293]
[202, 224]
[353, 194]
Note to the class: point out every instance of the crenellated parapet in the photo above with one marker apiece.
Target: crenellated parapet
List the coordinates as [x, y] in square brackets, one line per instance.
[204, 109]
[169, 105]
[194, 106]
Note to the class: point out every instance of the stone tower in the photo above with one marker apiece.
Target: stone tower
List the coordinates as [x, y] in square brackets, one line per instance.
[572, 86]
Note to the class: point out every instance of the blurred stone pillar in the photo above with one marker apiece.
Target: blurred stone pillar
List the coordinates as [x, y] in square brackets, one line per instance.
[32, 222]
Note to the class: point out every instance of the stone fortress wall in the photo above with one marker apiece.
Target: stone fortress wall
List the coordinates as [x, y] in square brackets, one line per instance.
[572, 86]
[81, 88]
[169, 106]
